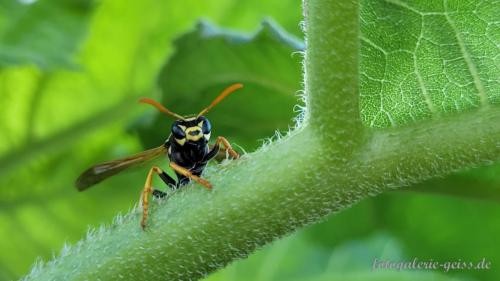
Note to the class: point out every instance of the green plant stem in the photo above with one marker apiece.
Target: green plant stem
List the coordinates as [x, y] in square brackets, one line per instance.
[285, 185]
[196, 231]
[412, 154]
[331, 78]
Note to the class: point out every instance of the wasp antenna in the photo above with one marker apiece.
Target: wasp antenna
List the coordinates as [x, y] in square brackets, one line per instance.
[222, 96]
[160, 107]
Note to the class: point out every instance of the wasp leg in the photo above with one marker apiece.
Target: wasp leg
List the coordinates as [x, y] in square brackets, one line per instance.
[169, 181]
[146, 192]
[227, 147]
[185, 172]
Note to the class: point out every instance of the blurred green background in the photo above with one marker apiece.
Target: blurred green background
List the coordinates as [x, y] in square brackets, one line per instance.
[70, 75]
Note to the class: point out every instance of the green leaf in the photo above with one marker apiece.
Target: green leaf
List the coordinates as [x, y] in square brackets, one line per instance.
[209, 59]
[480, 183]
[295, 258]
[444, 228]
[424, 59]
[48, 138]
[45, 33]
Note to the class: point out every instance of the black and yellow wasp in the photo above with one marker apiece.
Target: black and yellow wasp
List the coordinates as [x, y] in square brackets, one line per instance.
[187, 149]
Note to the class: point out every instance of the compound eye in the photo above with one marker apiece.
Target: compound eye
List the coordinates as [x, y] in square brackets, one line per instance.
[206, 127]
[178, 132]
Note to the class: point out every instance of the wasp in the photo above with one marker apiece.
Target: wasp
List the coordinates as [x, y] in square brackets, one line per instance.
[186, 148]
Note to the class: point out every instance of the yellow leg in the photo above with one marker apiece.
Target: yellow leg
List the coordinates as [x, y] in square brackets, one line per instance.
[227, 147]
[185, 172]
[146, 193]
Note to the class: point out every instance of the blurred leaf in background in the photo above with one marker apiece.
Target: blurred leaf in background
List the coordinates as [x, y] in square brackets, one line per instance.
[68, 93]
[399, 227]
[45, 34]
[208, 59]
[298, 258]
[71, 72]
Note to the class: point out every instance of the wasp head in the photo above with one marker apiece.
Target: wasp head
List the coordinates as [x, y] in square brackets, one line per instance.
[192, 129]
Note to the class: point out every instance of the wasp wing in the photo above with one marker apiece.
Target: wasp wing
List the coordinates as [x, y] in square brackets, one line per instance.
[100, 172]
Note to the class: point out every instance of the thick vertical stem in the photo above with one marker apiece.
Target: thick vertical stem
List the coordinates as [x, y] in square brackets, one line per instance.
[331, 71]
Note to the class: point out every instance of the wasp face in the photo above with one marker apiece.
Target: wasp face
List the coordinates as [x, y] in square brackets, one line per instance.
[194, 129]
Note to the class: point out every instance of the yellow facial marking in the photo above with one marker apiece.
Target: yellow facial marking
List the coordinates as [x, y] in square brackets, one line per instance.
[182, 127]
[180, 141]
[194, 137]
[207, 136]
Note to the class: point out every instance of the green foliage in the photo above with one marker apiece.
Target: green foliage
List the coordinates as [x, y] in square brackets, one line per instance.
[56, 122]
[47, 139]
[263, 62]
[421, 226]
[299, 258]
[427, 59]
[45, 33]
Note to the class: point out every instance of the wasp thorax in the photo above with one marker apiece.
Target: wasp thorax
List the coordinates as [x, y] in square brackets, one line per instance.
[193, 129]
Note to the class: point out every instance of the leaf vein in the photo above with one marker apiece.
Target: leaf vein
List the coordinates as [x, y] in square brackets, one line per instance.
[468, 59]
[420, 79]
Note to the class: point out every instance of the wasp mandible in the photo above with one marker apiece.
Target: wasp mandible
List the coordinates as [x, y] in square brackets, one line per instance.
[186, 148]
